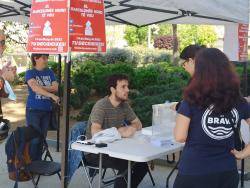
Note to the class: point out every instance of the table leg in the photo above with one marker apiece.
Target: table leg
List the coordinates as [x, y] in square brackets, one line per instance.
[100, 171]
[129, 174]
[170, 174]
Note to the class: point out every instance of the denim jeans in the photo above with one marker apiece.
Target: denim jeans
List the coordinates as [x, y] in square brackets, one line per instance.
[74, 156]
[39, 120]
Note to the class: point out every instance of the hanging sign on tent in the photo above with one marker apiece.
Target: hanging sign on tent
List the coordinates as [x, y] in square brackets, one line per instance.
[87, 26]
[48, 31]
[56, 29]
[243, 40]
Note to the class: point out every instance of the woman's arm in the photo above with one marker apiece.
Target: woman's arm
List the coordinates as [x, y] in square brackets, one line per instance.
[53, 88]
[39, 90]
[181, 128]
[242, 154]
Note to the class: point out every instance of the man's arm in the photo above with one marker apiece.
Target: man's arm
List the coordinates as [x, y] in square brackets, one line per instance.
[53, 88]
[128, 131]
[95, 128]
[136, 124]
[39, 90]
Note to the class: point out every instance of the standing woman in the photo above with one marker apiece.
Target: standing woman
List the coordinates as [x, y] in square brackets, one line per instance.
[211, 108]
[187, 56]
[42, 87]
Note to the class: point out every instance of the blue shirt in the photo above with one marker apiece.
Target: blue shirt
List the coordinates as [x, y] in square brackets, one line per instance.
[210, 139]
[43, 78]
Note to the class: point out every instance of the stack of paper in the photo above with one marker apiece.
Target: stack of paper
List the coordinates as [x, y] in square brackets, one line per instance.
[161, 141]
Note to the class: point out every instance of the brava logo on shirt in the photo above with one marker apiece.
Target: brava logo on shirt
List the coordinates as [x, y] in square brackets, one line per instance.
[219, 126]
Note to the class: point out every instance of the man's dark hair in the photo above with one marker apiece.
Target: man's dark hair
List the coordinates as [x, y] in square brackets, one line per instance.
[112, 80]
[36, 56]
[190, 51]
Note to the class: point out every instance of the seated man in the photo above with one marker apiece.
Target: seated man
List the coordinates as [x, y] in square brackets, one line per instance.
[114, 111]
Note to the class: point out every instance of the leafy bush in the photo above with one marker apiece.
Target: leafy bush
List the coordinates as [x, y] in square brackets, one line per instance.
[85, 111]
[19, 79]
[101, 78]
[53, 66]
[116, 55]
[144, 56]
[134, 56]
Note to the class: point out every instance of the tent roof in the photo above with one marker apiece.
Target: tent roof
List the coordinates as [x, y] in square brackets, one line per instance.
[146, 12]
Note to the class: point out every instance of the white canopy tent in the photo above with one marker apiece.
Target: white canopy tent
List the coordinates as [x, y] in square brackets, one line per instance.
[146, 12]
[140, 13]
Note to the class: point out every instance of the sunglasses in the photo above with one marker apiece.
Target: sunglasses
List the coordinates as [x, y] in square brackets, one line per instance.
[183, 63]
[2, 42]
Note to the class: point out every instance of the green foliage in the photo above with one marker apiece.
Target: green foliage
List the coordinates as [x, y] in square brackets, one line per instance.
[194, 34]
[240, 71]
[101, 79]
[85, 111]
[159, 74]
[187, 34]
[19, 79]
[116, 55]
[53, 66]
[136, 36]
[165, 29]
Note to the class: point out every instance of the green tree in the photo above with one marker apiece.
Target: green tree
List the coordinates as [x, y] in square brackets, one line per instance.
[194, 34]
[165, 29]
[136, 36]
[186, 34]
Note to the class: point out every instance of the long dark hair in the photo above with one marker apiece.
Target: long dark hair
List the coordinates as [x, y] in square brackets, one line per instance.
[214, 82]
[190, 51]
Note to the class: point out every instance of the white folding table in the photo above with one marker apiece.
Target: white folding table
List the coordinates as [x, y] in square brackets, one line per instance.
[130, 149]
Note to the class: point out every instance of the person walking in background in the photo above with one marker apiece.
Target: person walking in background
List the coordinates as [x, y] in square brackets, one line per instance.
[7, 71]
[211, 109]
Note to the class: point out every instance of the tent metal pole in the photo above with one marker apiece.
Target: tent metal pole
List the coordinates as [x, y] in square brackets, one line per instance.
[245, 78]
[65, 127]
[59, 76]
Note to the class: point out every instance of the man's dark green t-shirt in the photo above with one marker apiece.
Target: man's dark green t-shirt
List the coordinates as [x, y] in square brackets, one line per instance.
[105, 114]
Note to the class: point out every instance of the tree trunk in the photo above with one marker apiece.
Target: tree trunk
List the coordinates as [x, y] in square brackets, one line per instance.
[175, 44]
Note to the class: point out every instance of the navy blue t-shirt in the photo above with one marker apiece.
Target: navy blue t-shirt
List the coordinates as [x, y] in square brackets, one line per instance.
[210, 139]
[43, 78]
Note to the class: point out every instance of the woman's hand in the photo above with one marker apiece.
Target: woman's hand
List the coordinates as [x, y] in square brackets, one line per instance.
[55, 98]
[173, 106]
[238, 154]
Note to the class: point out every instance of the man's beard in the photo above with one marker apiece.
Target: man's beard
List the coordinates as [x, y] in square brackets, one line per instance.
[117, 98]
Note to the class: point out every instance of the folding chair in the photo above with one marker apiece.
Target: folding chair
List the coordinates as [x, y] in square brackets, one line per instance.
[40, 167]
[43, 167]
[91, 171]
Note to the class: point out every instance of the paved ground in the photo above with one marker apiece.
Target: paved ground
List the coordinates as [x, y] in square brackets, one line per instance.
[79, 180]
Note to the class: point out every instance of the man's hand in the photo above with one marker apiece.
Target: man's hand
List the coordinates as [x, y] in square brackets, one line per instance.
[127, 132]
